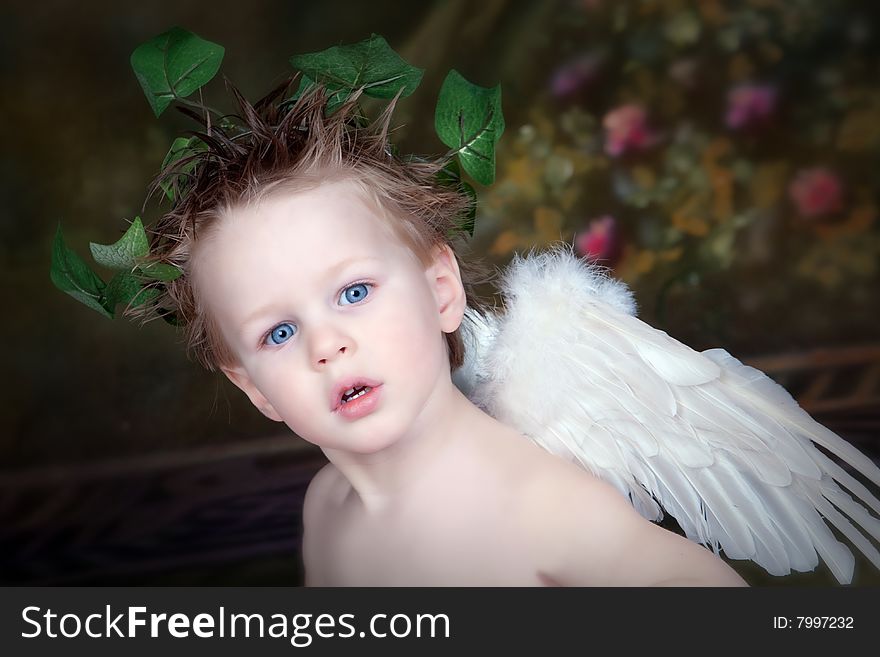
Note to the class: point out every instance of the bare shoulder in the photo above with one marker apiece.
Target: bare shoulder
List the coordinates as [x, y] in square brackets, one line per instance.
[588, 534]
[318, 514]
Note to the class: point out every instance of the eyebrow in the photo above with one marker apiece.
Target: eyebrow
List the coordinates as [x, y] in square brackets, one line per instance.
[330, 273]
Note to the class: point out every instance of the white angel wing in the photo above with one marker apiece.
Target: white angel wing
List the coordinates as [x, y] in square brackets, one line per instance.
[721, 447]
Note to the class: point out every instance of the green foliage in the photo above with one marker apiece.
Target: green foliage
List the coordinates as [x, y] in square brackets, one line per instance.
[71, 275]
[370, 64]
[130, 285]
[127, 289]
[177, 63]
[124, 254]
[450, 176]
[469, 120]
[174, 65]
[181, 147]
[159, 271]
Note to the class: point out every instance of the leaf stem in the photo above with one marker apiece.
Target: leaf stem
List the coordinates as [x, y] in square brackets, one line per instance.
[200, 106]
[207, 113]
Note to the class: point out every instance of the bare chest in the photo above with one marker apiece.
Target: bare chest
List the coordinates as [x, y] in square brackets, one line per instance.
[465, 540]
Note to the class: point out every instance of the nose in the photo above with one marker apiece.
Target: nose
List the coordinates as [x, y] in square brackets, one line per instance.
[328, 343]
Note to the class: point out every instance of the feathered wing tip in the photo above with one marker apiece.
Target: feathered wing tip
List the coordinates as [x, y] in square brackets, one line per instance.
[721, 447]
[795, 432]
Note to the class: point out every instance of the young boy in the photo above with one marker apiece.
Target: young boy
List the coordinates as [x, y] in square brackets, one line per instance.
[318, 276]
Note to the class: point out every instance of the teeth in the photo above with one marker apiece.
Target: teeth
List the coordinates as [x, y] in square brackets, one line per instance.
[348, 396]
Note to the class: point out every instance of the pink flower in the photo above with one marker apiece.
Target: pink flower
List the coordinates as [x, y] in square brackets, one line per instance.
[599, 242]
[575, 74]
[749, 104]
[816, 192]
[626, 129]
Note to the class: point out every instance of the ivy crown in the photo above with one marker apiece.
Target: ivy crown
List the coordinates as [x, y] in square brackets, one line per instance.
[267, 141]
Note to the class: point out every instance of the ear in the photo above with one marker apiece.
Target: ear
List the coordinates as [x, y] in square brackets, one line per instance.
[241, 379]
[444, 278]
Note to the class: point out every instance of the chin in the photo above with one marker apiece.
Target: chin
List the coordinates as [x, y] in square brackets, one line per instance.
[374, 438]
[373, 442]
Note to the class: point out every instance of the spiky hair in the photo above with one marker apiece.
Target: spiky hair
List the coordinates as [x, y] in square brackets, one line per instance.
[295, 144]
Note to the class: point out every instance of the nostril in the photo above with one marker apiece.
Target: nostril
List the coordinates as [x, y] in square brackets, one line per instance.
[324, 361]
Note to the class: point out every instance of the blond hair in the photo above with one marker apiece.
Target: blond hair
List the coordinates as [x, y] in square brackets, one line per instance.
[294, 145]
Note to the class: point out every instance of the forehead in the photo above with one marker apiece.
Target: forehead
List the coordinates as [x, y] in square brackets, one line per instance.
[325, 219]
[290, 236]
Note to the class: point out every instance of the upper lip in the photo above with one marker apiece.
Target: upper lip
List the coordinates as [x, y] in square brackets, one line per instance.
[345, 384]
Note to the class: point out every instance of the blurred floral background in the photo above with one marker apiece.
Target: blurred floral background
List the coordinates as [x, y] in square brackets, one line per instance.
[721, 157]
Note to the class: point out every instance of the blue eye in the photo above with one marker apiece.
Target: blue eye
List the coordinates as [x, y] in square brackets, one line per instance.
[281, 334]
[354, 294]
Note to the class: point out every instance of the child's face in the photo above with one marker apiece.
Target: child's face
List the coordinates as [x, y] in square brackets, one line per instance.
[314, 294]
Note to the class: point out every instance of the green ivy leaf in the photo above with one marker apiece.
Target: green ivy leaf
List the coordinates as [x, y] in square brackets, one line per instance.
[469, 219]
[146, 294]
[371, 64]
[159, 271]
[305, 83]
[126, 289]
[450, 176]
[334, 100]
[180, 148]
[71, 275]
[125, 253]
[173, 65]
[122, 288]
[469, 120]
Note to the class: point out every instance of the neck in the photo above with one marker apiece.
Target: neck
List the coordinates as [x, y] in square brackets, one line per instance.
[382, 477]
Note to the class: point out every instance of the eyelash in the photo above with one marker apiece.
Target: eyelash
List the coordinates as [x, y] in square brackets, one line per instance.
[366, 282]
[339, 294]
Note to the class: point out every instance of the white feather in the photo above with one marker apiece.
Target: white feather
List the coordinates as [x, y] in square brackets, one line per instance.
[717, 444]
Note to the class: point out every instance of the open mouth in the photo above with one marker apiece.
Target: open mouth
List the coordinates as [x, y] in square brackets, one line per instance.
[357, 398]
[347, 393]
[353, 393]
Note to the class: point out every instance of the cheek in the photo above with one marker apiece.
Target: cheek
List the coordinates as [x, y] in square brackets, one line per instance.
[285, 390]
[411, 330]
[307, 420]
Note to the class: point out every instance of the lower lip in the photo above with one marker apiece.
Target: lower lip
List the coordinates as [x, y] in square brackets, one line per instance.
[363, 405]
